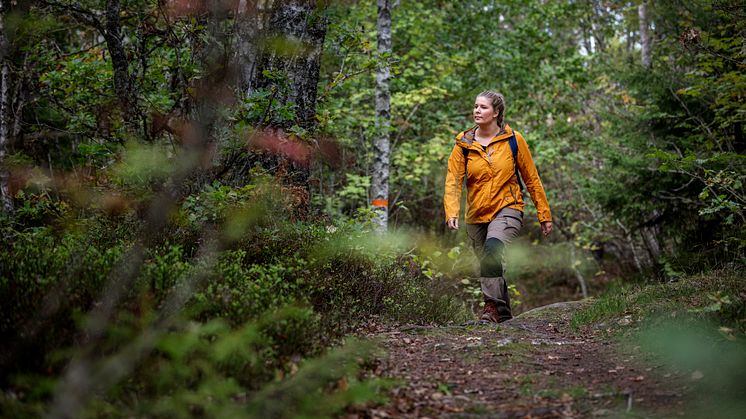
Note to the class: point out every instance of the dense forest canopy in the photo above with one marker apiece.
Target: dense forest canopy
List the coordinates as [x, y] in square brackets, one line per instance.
[206, 168]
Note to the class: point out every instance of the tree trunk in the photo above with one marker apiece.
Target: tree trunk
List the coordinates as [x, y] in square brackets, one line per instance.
[642, 11]
[652, 244]
[251, 23]
[379, 189]
[6, 201]
[597, 25]
[279, 47]
[123, 85]
[111, 30]
[632, 247]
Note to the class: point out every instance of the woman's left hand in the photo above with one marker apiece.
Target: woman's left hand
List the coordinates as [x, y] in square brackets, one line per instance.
[546, 228]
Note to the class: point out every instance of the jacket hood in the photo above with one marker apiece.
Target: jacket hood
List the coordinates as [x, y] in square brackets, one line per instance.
[466, 138]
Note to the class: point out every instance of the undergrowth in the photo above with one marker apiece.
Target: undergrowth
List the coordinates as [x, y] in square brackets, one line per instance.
[719, 295]
[694, 327]
[254, 334]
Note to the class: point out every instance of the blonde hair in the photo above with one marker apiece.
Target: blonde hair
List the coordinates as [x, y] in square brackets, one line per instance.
[498, 104]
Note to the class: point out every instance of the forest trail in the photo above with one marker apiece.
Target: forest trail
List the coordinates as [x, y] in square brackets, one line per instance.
[534, 366]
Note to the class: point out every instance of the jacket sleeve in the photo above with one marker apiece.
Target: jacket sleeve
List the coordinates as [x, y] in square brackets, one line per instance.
[530, 177]
[454, 182]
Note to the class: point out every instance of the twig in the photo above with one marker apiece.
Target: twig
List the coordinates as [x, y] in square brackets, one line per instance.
[696, 118]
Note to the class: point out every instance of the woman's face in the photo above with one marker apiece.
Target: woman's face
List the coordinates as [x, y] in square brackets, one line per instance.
[483, 112]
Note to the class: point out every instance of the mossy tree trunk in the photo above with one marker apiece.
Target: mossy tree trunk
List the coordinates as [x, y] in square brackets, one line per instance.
[279, 48]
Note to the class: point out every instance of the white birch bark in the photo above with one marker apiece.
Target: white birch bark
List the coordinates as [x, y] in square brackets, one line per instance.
[379, 190]
[642, 12]
[6, 202]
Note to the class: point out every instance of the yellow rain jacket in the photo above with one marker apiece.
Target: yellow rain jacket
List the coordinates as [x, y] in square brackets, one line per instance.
[491, 183]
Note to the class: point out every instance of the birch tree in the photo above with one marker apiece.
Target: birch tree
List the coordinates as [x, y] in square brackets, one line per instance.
[642, 11]
[6, 203]
[379, 190]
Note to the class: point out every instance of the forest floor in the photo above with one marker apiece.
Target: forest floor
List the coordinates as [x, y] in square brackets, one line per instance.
[533, 366]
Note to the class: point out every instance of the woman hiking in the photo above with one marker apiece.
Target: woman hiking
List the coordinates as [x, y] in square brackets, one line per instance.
[491, 155]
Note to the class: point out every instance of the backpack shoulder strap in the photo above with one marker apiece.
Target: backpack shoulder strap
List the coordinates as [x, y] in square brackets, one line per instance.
[468, 137]
[514, 149]
[513, 145]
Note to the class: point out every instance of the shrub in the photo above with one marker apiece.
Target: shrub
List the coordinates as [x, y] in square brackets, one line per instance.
[279, 292]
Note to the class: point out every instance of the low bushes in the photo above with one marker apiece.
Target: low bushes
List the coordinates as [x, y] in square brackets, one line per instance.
[265, 294]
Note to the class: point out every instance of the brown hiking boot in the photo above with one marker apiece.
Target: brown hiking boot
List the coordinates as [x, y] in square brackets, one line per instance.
[490, 312]
[504, 314]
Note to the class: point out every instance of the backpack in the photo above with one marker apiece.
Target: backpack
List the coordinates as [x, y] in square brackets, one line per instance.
[513, 148]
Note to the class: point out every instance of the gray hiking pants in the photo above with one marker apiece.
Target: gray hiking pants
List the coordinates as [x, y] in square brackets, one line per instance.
[489, 240]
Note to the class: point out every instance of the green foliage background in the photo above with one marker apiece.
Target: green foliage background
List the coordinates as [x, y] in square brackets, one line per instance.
[632, 158]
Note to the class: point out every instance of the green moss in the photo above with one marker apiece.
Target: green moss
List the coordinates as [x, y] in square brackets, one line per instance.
[715, 293]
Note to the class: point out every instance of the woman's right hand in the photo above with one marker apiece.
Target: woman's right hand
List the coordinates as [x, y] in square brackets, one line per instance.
[452, 223]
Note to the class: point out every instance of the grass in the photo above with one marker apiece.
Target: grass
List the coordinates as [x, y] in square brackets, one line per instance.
[576, 392]
[721, 292]
[695, 326]
[550, 391]
[525, 384]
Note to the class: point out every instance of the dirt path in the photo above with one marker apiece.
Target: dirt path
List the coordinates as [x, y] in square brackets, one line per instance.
[533, 366]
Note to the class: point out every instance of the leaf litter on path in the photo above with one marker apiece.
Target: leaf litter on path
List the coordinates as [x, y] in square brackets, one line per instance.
[531, 366]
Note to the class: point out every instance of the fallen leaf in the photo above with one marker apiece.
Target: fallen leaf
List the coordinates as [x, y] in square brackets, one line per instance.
[379, 413]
